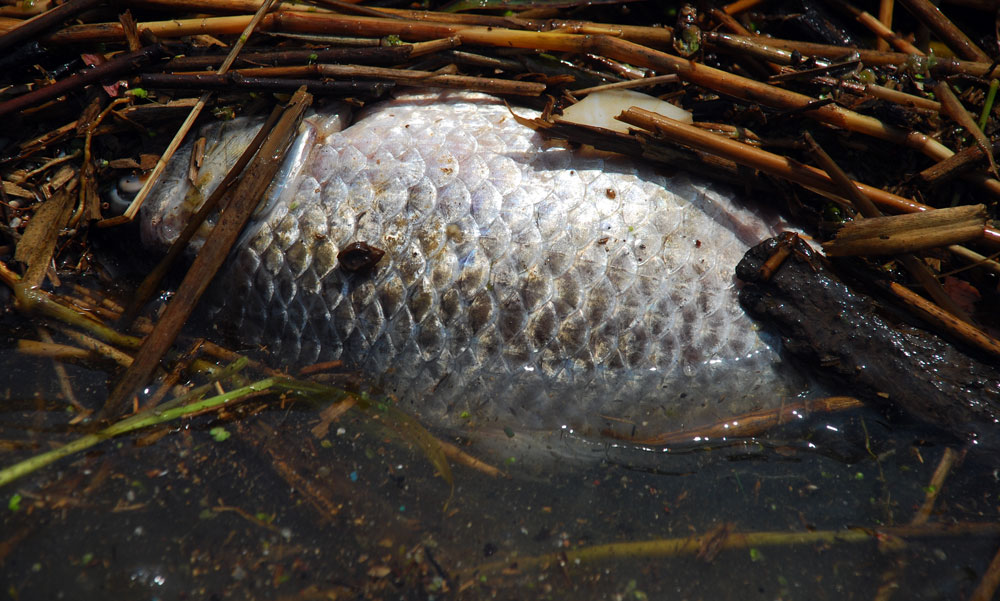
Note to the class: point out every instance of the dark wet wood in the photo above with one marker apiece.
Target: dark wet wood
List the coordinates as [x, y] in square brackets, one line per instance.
[110, 70]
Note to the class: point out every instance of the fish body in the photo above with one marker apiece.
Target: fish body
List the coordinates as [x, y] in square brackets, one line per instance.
[524, 284]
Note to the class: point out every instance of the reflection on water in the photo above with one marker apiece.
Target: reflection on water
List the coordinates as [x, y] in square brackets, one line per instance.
[270, 510]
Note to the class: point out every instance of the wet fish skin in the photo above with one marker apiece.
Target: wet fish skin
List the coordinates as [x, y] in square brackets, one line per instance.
[524, 283]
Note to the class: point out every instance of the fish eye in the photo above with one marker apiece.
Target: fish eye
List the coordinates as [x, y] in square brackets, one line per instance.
[123, 192]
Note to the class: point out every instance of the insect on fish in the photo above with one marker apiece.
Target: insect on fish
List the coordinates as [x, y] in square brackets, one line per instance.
[524, 284]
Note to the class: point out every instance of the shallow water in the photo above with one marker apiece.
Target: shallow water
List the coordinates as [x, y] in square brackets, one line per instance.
[275, 512]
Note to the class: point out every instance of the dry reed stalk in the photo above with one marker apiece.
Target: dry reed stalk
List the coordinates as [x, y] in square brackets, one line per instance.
[774, 164]
[945, 320]
[690, 545]
[933, 488]
[618, 49]
[878, 28]
[908, 233]
[24, 31]
[748, 424]
[652, 36]
[875, 57]
[213, 253]
[952, 36]
[409, 77]
[175, 143]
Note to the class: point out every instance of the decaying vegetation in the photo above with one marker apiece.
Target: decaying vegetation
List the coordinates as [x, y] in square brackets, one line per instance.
[876, 134]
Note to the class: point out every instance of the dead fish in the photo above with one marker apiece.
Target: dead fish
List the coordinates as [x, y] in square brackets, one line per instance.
[523, 284]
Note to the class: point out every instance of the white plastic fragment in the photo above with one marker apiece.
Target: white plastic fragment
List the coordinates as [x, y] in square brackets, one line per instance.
[600, 109]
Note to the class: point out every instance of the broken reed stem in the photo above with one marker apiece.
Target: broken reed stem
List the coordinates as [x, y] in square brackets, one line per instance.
[908, 233]
[781, 166]
[213, 253]
[404, 77]
[390, 55]
[651, 36]
[611, 47]
[618, 49]
[952, 107]
[871, 23]
[933, 488]
[34, 26]
[165, 413]
[952, 36]
[112, 69]
[168, 153]
[940, 65]
[917, 268]
[954, 326]
[240, 81]
[151, 283]
[748, 424]
[987, 587]
[690, 545]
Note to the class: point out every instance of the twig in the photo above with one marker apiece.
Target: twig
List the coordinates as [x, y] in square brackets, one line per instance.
[948, 459]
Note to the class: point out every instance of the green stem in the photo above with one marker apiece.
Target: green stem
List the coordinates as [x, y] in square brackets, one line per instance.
[988, 105]
[166, 412]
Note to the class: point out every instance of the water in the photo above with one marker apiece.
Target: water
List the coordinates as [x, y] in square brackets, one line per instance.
[275, 512]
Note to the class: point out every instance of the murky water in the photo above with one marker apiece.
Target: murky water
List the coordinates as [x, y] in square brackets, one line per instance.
[276, 511]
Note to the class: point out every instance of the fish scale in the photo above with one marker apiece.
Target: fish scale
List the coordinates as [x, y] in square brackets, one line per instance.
[524, 283]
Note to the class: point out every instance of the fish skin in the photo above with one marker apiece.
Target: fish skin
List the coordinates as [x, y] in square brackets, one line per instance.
[524, 284]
